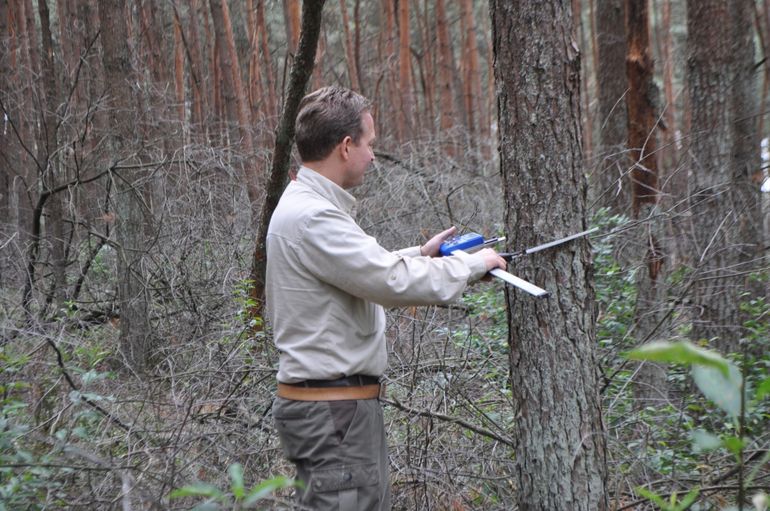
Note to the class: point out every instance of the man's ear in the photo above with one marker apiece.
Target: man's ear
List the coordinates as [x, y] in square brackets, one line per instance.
[344, 147]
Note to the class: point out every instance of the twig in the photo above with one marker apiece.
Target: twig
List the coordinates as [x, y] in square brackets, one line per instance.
[448, 418]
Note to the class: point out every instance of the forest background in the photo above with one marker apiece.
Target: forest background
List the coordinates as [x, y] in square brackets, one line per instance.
[139, 149]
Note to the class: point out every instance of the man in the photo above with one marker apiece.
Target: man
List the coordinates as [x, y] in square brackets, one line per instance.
[327, 283]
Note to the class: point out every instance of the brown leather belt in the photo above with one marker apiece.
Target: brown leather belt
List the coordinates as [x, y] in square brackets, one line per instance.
[296, 393]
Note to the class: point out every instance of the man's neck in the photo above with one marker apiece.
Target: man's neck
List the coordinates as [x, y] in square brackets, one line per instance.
[328, 169]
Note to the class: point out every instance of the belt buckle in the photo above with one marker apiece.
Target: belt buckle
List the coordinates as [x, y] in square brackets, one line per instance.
[381, 395]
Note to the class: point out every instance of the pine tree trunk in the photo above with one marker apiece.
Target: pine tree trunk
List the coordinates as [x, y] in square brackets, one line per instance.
[50, 158]
[291, 9]
[560, 440]
[179, 72]
[271, 107]
[198, 72]
[350, 55]
[611, 184]
[724, 200]
[406, 102]
[650, 380]
[235, 100]
[445, 58]
[135, 332]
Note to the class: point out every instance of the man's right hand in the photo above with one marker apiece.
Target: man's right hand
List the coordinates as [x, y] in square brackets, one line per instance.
[492, 260]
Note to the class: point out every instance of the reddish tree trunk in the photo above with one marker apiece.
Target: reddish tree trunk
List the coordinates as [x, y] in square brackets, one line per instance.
[235, 101]
[445, 58]
[355, 84]
[271, 105]
[179, 70]
[472, 80]
[650, 381]
[291, 9]
[404, 73]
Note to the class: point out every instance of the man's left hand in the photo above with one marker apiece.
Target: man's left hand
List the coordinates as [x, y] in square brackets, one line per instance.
[431, 248]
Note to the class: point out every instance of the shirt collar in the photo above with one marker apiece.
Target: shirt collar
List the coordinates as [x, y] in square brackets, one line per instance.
[327, 189]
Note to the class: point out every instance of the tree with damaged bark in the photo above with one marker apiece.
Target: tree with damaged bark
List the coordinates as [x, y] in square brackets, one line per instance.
[643, 129]
[559, 436]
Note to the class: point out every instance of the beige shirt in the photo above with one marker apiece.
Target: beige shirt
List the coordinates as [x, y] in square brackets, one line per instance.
[327, 283]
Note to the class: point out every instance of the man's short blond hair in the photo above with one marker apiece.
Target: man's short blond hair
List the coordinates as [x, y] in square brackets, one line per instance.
[325, 118]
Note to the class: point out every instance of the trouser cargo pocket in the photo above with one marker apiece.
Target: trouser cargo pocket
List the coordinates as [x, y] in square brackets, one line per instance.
[355, 487]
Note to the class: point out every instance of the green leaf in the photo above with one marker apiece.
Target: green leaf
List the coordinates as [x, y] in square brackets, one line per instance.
[704, 441]
[724, 391]
[236, 480]
[197, 490]
[688, 499]
[651, 496]
[265, 488]
[734, 444]
[763, 389]
[680, 352]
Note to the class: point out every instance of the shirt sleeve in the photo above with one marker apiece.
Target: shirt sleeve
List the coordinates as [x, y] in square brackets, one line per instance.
[337, 251]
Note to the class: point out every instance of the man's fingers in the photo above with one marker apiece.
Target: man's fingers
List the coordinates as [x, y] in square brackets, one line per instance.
[448, 233]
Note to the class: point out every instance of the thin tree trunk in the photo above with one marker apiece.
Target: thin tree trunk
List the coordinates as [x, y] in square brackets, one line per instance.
[650, 380]
[291, 9]
[587, 121]
[427, 63]
[318, 71]
[198, 71]
[406, 103]
[256, 95]
[235, 100]
[560, 450]
[135, 332]
[472, 81]
[445, 58]
[179, 71]
[350, 54]
[272, 99]
[390, 101]
[610, 184]
[763, 31]
[301, 71]
[50, 157]
[357, 45]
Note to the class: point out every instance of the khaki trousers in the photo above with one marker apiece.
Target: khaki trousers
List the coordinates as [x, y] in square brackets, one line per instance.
[339, 450]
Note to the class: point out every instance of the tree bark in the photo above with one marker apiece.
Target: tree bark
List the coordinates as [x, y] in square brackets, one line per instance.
[291, 9]
[197, 71]
[472, 81]
[445, 58]
[610, 183]
[272, 100]
[235, 100]
[135, 332]
[586, 120]
[179, 72]
[350, 54]
[301, 71]
[650, 381]
[50, 157]
[560, 440]
[724, 200]
[406, 103]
